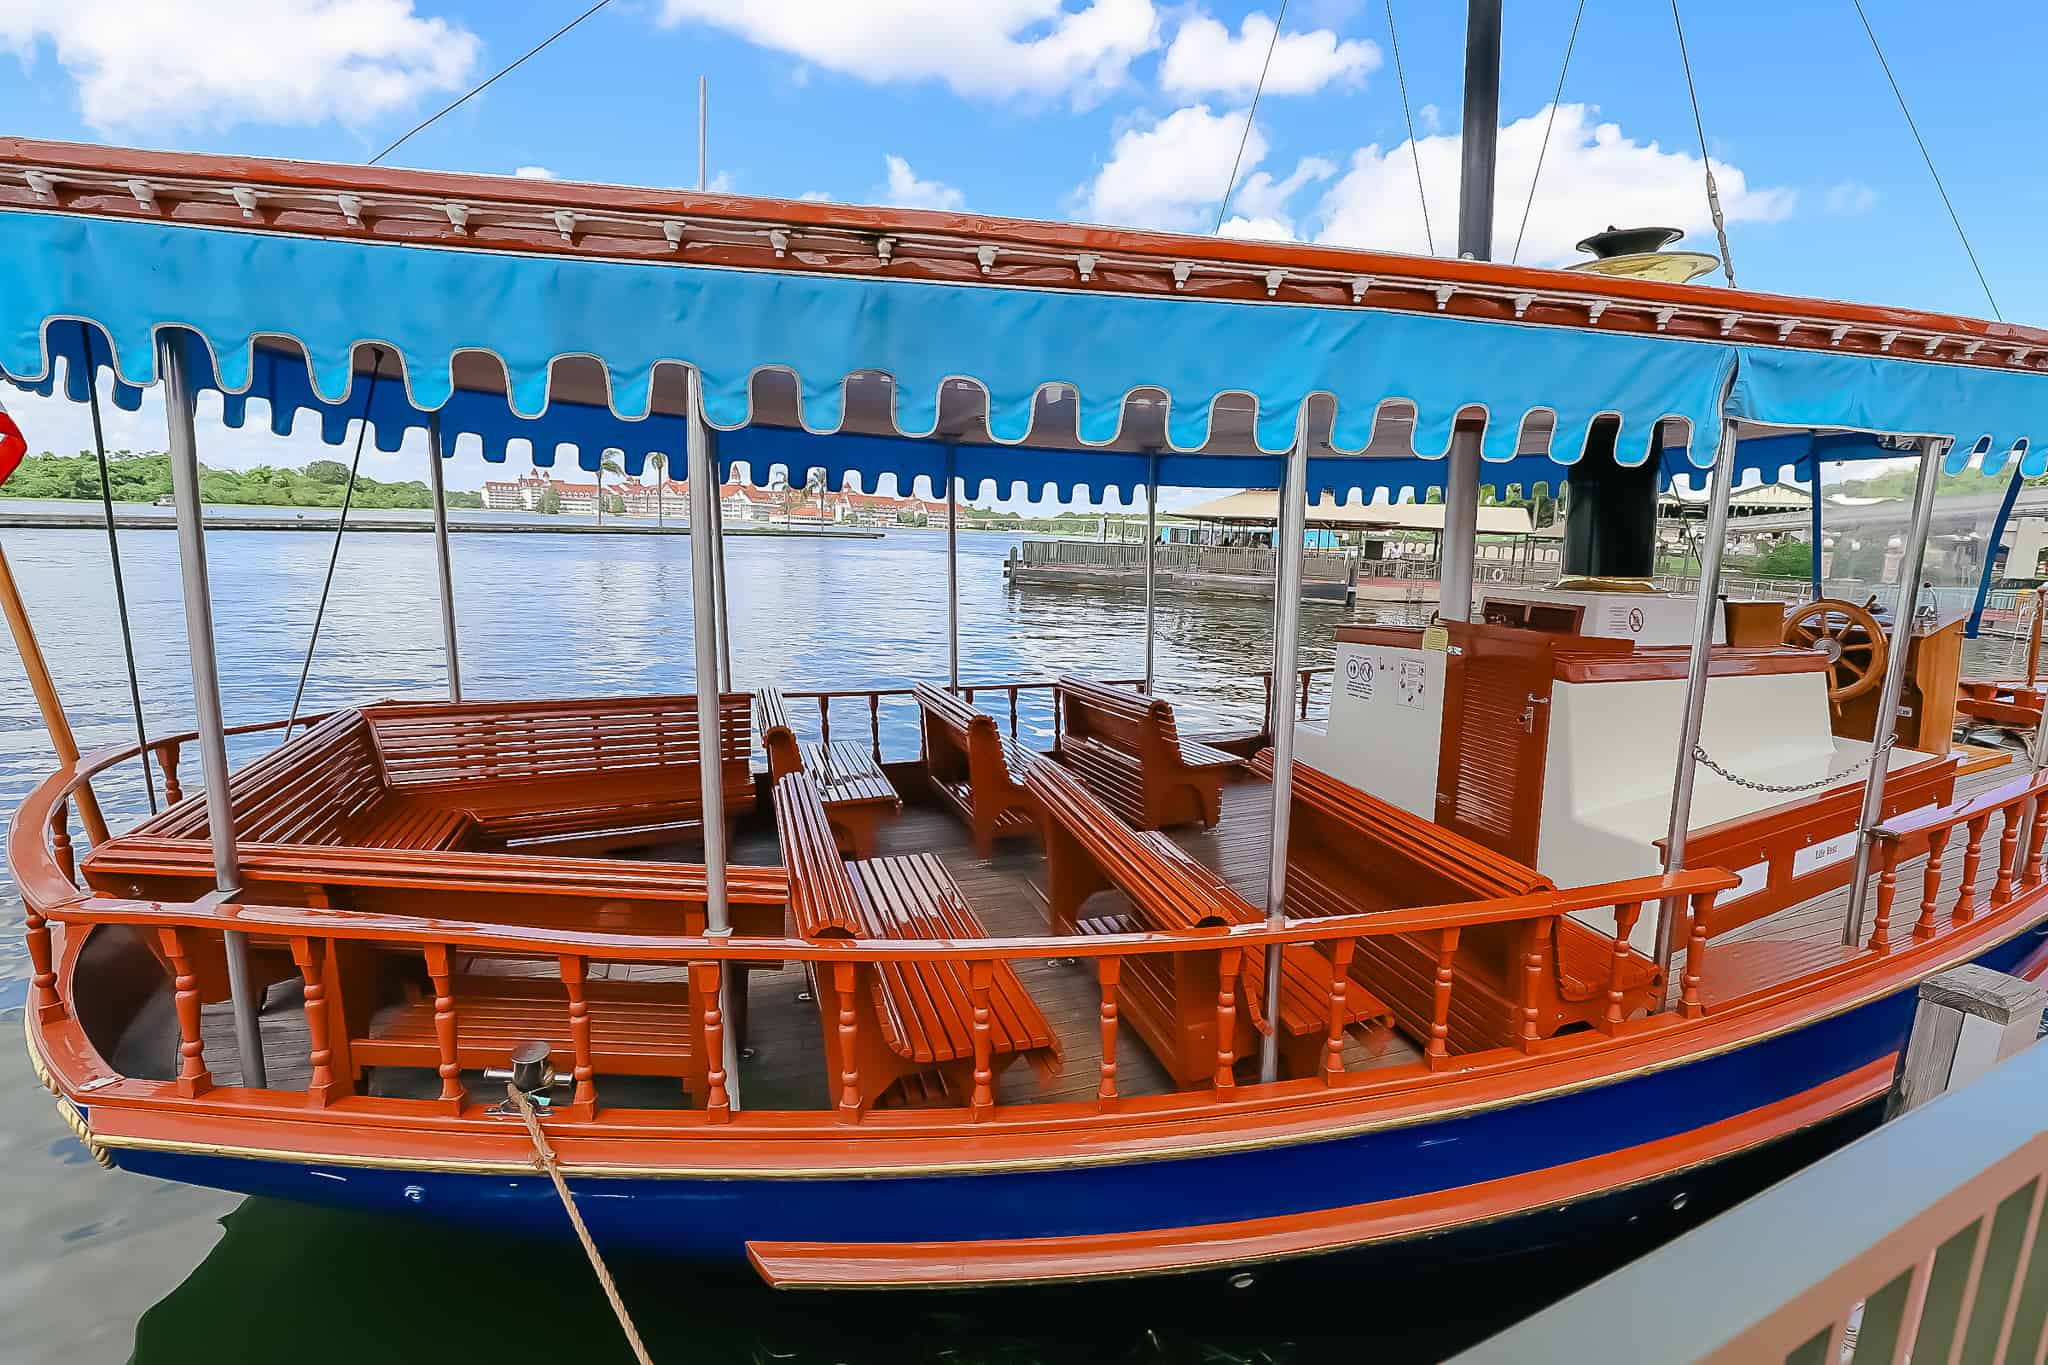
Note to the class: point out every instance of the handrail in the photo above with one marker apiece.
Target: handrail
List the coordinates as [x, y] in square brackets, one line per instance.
[824, 697]
[2018, 804]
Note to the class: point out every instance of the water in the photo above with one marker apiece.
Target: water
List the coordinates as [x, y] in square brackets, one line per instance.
[104, 1266]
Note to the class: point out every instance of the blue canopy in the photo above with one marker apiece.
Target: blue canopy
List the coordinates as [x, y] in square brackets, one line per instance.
[294, 320]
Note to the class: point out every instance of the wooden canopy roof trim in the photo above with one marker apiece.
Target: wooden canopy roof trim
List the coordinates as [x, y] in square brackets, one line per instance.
[433, 208]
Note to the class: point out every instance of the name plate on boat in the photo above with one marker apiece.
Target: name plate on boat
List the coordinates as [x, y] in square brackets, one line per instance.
[1816, 856]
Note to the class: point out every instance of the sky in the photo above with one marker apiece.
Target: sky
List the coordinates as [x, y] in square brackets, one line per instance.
[1126, 112]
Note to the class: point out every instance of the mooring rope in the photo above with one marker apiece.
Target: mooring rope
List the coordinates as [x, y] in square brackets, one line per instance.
[544, 1157]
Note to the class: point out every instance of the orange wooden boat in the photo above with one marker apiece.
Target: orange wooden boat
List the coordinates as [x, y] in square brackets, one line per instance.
[1436, 974]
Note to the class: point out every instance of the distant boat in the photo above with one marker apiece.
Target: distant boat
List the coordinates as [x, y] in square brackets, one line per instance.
[165, 500]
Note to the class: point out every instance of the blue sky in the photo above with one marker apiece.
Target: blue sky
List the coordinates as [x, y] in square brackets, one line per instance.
[1117, 110]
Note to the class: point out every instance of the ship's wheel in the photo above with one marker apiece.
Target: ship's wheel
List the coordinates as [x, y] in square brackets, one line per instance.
[1851, 638]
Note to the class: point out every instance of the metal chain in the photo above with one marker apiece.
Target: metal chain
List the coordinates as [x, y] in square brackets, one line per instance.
[1700, 755]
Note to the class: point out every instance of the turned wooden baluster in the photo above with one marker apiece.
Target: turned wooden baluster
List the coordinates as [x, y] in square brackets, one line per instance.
[320, 1090]
[42, 984]
[849, 1039]
[1930, 886]
[192, 1075]
[1689, 1003]
[583, 1099]
[1304, 693]
[1340, 982]
[443, 977]
[1109, 970]
[707, 985]
[2008, 853]
[167, 760]
[1013, 713]
[1440, 1009]
[1266, 705]
[1973, 859]
[2037, 835]
[1228, 963]
[875, 725]
[979, 977]
[1887, 890]
[824, 720]
[60, 842]
[1625, 917]
[1532, 975]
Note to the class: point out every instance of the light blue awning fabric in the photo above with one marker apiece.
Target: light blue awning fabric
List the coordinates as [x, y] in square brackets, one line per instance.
[219, 291]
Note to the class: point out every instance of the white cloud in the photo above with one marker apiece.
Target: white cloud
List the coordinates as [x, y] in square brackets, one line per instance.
[1431, 118]
[720, 183]
[1594, 175]
[1851, 196]
[1204, 58]
[534, 173]
[1171, 174]
[978, 47]
[905, 190]
[211, 63]
[1260, 228]
[815, 197]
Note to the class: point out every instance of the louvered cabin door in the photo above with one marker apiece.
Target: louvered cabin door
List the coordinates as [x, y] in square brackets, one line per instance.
[1496, 729]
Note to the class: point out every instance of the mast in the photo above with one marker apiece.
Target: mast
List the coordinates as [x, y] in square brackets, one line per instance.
[1481, 133]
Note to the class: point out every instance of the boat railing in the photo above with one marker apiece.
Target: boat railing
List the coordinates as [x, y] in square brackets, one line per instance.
[1319, 563]
[184, 932]
[2017, 806]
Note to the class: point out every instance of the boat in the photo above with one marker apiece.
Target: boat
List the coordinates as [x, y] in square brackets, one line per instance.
[1580, 909]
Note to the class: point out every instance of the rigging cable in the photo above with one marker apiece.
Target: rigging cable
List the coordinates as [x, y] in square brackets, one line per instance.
[1251, 113]
[478, 90]
[99, 440]
[1414, 147]
[1928, 157]
[1548, 124]
[334, 556]
[1713, 190]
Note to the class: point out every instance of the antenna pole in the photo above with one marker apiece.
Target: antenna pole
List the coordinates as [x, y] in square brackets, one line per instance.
[1475, 242]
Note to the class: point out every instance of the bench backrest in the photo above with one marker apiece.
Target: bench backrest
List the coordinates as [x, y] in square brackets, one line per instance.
[1132, 722]
[1168, 888]
[822, 897]
[777, 738]
[1388, 857]
[305, 791]
[972, 731]
[439, 745]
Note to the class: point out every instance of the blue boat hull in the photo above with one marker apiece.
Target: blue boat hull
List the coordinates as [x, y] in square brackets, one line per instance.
[712, 1220]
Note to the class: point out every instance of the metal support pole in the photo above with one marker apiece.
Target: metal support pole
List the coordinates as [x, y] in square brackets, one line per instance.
[1459, 541]
[711, 734]
[435, 479]
[1293, 520]
[1481, 129]
[213, 749]
[1815, 470]
[1151, 546]
[952, 572]
[1712, 546]
[1932, 451]
[718, 566]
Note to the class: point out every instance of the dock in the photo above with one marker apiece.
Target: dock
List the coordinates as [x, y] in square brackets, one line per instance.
[93, 521]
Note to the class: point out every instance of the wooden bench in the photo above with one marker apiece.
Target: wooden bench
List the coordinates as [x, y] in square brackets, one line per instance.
[858, 794]
[323, 786]
[1171, 999]
[581, 775]
[1351, 853]
[974, 768]
[888, 1027]
[588, 895]
[1126, 747]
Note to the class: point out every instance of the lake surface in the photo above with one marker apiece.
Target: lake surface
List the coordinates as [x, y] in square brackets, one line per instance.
[108, 1266]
